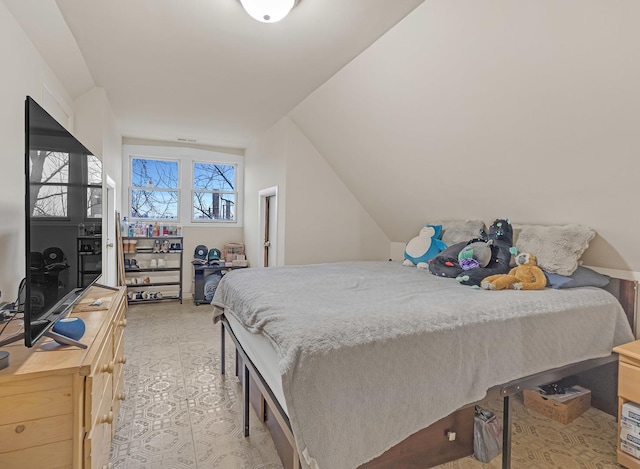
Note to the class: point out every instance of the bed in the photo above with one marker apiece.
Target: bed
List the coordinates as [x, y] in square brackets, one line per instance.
[358, 356]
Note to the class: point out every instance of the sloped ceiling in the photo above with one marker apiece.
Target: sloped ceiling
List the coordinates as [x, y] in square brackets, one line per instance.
[486, 109]
[203, 69]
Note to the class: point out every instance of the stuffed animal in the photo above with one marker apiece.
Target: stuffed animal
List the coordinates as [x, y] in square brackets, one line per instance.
[477, 253]
[424, 247]
[500, 236]
[446, 263]
[525, 276]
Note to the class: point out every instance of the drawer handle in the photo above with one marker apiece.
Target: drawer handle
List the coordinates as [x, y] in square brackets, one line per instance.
[108, 418]
[20, 428]
[107, 368]
[122, 360]
[122, 323]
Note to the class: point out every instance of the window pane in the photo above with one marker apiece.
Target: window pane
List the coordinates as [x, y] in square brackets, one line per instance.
[48, 201]
[159, 174]
[94, 170]
[94, 202]
[154, 204]
[214, 206]
[214, 177]
[49, 167]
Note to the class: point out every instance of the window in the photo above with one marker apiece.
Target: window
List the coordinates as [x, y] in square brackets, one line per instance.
[94, 187]
[49, 197]
[214, 192]
[154, 189]
[187, 186]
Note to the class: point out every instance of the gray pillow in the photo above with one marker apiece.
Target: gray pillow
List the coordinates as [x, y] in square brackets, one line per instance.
[582, 277]
[457, 231]
[558, 248]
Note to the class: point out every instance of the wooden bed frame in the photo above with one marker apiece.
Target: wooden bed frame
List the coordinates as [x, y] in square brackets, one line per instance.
[432, 445]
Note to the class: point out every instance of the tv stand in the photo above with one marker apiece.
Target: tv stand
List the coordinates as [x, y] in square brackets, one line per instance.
[61, 404]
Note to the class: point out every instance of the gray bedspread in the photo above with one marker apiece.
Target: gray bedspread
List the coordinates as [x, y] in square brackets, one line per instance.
[371, 352]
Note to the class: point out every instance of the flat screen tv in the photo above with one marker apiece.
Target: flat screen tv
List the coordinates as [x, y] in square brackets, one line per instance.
[63, 202]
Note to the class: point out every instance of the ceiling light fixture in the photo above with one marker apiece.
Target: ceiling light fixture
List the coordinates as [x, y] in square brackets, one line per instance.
[268, 11]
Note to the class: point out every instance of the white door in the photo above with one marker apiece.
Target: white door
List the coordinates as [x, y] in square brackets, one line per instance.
[269, 226]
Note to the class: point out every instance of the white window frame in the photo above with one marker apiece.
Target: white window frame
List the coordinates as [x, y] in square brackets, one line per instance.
[193, 191]
[178, 189]
[186, 158]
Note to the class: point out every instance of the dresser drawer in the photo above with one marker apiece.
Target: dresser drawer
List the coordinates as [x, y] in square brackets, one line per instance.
[99, 384]
[119, 323]
[53, 455]
[629, 382]
[33, 403]
[97, 446]
[21, 435]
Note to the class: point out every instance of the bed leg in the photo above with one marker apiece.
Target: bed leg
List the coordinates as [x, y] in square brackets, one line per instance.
[222, 356]
[245, 410]
[506, 433]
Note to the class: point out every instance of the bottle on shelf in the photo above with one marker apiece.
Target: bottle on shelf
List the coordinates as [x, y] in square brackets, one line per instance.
[179, 230]
[156, 229]
[124, 227]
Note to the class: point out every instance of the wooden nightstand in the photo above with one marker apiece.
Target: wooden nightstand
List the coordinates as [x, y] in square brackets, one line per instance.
[628, 390]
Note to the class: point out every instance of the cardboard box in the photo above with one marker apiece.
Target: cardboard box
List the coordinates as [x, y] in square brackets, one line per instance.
[630, 448]
[630, 425]
[563, 412]
[631, 411]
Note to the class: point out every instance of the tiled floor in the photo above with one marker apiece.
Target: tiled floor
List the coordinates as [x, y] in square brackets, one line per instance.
[180, 412]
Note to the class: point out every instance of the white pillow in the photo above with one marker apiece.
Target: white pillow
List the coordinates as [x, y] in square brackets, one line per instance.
[558, 248]
[457, 231]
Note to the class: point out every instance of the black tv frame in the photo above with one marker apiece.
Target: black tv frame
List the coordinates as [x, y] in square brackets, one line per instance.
[35, 329]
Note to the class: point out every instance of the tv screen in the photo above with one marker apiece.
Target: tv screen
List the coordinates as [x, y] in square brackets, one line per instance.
[63, 201]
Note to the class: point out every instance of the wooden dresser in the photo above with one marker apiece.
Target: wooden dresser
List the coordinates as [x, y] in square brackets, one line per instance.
[58, 404]
[628, 391]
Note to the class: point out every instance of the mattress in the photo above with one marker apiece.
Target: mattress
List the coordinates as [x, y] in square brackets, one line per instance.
[261, 353]
[371, 352]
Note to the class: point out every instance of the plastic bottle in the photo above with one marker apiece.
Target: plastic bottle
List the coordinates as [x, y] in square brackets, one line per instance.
[124, 227]
[156, 231]
[179, 230]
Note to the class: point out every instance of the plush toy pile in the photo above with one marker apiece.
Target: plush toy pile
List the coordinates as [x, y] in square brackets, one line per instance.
[472, 261]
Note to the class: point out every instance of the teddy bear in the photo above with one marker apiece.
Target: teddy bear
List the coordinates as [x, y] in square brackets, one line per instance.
[500, 238]
[424, 247]
[526, 275]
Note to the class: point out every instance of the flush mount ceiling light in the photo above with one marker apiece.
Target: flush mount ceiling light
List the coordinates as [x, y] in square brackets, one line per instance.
[268, 11]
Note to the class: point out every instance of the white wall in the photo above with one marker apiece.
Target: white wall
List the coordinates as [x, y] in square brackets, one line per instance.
[319, 220]
[265, 166]
[486, 109]
[24, 72]
[95, 127]
[325, 222]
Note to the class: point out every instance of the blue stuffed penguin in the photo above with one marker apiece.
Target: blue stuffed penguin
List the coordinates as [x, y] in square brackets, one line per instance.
[424, 247]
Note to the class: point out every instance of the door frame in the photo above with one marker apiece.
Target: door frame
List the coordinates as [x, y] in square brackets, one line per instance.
[109, 274]
[273, 208]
